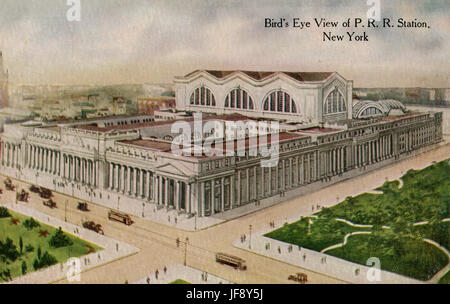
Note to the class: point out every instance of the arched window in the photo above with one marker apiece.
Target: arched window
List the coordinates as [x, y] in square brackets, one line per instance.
[239, 99]
[202, 96]
[335, 103]
[371, 111]
[279, 101]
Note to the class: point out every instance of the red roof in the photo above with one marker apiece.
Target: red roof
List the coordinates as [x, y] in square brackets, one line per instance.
[166, 146]
[319, 130]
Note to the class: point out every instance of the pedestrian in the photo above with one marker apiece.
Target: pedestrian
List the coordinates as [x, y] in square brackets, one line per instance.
[304, 256]
[165, 269]
[176, 220]
[178, 242]
[279, 249]
[156, 273]
[148, 280]
[203, 276]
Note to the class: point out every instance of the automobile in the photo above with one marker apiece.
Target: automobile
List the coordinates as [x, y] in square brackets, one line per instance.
[83, 206]
[299, 277]
[9, 185]
[23, 196]
[45, 193]
[93, 226]
[34, 189]
[50, 203]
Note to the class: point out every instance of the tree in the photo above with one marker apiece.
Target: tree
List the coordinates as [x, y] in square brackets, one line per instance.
[4, 212]
[24, 267]
[60, 239]
[45, 261]
[9, 250]
[21, 245]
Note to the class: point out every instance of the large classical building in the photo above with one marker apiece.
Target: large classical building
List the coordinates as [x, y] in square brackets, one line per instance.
[323, 138]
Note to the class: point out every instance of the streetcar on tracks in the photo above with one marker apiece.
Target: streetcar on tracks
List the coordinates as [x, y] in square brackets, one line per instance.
[120, 217]
[231, 260]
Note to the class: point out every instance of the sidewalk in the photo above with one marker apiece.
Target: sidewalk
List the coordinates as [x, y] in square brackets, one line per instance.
[179, 271]
[317, 262]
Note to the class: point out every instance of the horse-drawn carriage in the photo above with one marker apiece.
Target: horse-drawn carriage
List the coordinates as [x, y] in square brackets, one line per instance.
[299, 277]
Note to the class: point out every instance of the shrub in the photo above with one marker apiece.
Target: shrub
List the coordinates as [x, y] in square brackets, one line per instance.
[8, 250]
[30, 223]
[46, 260]
[4, 212]
[24, 267]
[29, 248]
[60, 239]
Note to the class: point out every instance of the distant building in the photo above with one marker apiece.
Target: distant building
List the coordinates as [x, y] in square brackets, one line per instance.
[119, 106]
[148, 105]
[4, 96]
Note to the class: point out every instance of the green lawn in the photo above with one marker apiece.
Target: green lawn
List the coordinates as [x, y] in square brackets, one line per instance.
[410, 257]
[324, 232]
[35, 238]
[180, 281]
[424, 196]
[445, 279]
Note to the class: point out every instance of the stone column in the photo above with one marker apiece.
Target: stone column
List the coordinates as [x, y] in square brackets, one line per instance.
[232, 192]
[222, 192]
[262, 182]
[166, 194]
[141, 186]
[239, 188]
[188, 199]
[135, 182]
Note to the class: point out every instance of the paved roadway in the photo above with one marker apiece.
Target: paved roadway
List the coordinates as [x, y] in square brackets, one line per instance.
[158, 245]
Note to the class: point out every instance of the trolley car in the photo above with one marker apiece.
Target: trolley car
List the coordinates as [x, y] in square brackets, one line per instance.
[231, 260]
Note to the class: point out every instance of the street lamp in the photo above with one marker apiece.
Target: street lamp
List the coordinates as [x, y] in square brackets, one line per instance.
[185, 251]
[250, 238]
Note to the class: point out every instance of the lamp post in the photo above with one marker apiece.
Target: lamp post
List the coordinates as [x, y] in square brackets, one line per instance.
[250, 238]
[185, 251]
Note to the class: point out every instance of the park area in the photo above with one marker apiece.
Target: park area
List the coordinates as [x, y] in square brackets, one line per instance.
[27, 245]
[406, 224]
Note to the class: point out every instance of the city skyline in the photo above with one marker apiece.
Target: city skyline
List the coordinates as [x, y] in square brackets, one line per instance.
[121, 42]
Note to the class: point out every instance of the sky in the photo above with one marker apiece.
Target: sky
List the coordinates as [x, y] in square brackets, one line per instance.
[151, 41]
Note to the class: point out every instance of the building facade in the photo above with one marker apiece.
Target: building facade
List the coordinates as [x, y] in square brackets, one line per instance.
[134, 161]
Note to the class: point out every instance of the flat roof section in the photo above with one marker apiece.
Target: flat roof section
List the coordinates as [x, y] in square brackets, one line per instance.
[227, 117]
